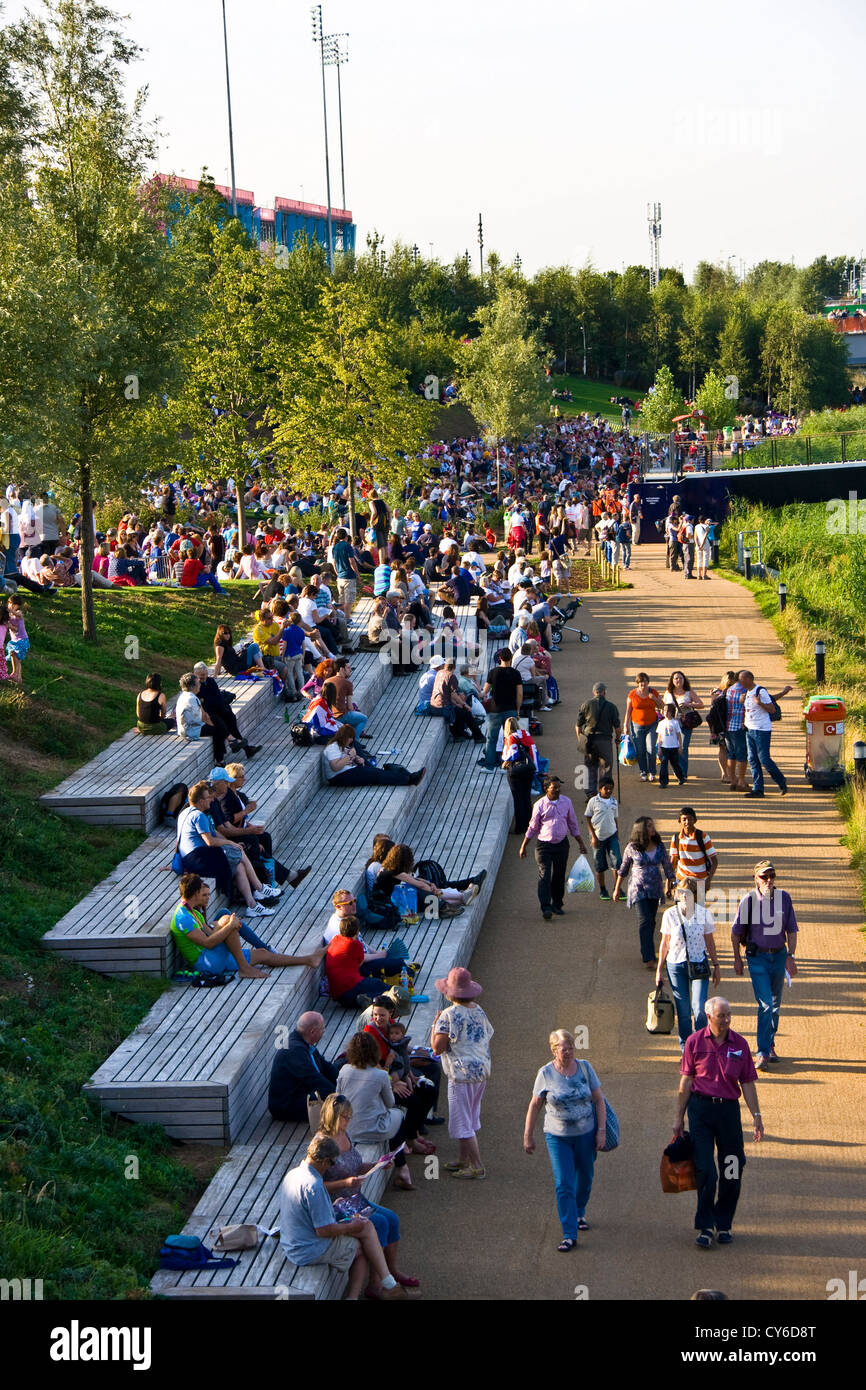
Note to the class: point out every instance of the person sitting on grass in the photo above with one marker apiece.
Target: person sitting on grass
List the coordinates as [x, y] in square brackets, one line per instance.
[215, 948]
[310, 1233]
[249, 658]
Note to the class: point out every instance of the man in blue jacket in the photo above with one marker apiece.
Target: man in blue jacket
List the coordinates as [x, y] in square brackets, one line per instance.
[299, 1070]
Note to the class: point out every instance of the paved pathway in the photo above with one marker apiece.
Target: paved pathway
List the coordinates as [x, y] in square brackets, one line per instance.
[802, 1215]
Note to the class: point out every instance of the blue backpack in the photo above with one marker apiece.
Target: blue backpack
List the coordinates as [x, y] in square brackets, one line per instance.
[188, 1252]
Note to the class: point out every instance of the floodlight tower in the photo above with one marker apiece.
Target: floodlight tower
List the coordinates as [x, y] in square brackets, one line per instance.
[654, 221]
[319, 40]
[336, 54]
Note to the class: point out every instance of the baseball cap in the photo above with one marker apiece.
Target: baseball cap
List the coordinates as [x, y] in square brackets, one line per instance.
[765, 866]
[436, 662]
[219, 774]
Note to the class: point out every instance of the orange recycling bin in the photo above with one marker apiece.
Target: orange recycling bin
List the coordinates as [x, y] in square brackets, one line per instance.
[825, 741]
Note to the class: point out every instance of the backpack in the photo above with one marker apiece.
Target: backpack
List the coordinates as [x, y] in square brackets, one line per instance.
[524, 757]
[432, 871]
[773, 710]
[717, 715]
[699, 836]
[301, 735]
[172, 801]
[188, 1252]
[200, 980]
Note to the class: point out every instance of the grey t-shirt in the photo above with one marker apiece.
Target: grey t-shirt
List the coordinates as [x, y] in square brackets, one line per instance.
[570, 1108]
[369, 1092]
[304, 1205]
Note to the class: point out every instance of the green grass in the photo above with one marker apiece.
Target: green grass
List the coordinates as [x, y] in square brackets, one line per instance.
[69, 1213]
[591, 396]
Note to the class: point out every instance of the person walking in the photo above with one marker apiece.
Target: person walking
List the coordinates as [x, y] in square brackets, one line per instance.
[766, 927]
[520, 761]
[693, 854]
[757, 706]
[716, 1066]
[688, 949]
[735, 735]
[651, 880]
[575, 1126]
[703, 531]
[598, 727]
[686, 703]
[642, 710]
[601, 814]
[551, 823]
[461, 1037]
[669, 736]
[504, 690]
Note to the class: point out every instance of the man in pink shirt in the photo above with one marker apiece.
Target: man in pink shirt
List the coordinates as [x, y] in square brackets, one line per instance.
[716, 1066]
[552, 821]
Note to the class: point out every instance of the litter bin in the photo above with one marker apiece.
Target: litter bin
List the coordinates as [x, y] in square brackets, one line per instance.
[825, 739]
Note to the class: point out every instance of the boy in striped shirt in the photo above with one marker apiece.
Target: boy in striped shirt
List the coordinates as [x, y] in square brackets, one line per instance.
[693, 854]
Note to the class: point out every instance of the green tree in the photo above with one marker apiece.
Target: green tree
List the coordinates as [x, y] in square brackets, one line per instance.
[340, 406]
[99, 319]
[503, 381]
[661, 404]
[714, 402]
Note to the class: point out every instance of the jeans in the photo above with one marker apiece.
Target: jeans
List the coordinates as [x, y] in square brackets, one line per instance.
[609, 847]
[669, 758]
[367, 776]
[690, 996]
[355, 719]
[758, 744]
[385, 1222]
[647, 909]
[572, 1158]
[495, 721]
[645, 746]
[552, 863]
[716, 1127]
[684, 751]
[210, 579]
[250, 937]
[767, 971]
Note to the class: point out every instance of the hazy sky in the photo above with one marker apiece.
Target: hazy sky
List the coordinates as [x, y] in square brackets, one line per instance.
[558, 121]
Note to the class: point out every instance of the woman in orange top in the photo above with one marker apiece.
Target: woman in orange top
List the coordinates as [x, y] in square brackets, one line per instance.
[642, 710]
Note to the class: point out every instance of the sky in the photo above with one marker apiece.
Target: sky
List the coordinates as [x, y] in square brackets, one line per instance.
[558, 121]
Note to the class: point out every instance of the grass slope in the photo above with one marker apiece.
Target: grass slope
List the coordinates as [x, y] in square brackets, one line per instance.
[85, 1197]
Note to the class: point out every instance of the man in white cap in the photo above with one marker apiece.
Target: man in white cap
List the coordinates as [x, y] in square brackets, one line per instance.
[428, 680]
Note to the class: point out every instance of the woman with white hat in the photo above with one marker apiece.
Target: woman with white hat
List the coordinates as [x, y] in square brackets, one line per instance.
[461, 1037]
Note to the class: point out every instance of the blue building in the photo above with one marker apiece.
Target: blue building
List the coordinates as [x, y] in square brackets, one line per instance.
[279, 225]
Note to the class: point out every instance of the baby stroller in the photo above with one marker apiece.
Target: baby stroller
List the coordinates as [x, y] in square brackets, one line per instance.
[562, 613]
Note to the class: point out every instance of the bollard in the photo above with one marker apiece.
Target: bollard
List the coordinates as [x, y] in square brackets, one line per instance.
[747, 563]
[820, 651]
[714, 555]
[783, 597]
[860, 761]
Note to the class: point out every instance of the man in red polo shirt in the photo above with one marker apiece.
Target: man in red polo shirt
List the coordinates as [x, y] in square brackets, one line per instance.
[716, 1065]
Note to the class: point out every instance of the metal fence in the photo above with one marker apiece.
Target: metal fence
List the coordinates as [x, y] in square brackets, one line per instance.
[778, 451]
[750, 543]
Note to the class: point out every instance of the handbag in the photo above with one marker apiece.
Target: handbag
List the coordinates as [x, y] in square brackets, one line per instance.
[677, 1168]
[314, 1112]
[611, 1131]
[690, 718]
[698, 969]
[660, 1013]
[239, 1237]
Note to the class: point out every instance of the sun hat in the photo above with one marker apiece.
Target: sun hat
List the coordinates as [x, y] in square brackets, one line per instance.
[459, 984]
[219, 774]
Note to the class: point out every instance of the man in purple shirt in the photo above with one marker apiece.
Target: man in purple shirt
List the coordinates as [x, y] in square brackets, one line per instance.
[552, 821]
[716, 1065]
[766, 926]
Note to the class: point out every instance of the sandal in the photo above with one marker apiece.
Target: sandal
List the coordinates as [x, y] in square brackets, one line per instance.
[453, 1167]
[408, 1281]
[566, 1244]
[582, 1223]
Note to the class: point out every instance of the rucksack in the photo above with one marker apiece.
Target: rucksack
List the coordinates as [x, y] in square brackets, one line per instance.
[432, 871]
[773, 710]
[172, 801]
[717, 715]
[301, 735]
[188, 1252]
[199, 979]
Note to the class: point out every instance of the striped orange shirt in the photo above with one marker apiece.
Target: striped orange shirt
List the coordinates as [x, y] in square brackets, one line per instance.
[688, 857]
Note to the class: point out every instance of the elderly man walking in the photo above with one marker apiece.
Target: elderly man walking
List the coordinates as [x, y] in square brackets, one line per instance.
[766, 927]
[552, 821]
[598, 727]
[716, 1066]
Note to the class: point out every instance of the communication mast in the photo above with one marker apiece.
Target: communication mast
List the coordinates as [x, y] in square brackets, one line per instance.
[654, 221]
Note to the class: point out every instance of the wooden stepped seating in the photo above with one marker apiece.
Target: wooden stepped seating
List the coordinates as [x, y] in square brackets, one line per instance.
[199, 1060]
[247, 1186]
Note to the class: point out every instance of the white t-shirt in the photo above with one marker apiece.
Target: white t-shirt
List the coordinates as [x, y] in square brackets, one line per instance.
[308, 611]
[757, 713]
[687, 932]
[668, 733]
[333, 929]
[332, 753]
[601, 812]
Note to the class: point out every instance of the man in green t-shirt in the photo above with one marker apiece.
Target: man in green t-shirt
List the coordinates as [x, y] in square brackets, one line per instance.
[215, 949]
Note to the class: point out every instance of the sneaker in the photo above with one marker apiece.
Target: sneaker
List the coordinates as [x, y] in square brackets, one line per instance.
[260, 910]
[604, 895]
[651, 777]
[643, 777]
[704, 1240]
[754, 793]
[263, 895]
[774, 1056]
[724, 1237]
[760, 1061]
[470, 1173]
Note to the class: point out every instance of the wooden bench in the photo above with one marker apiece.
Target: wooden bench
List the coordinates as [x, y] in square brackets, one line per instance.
[247, 1187]
[122, 926]
[123, 784]
[200, 1059]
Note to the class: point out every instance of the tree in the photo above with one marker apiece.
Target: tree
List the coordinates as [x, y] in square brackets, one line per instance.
[714, 402]
[661, 404]
[503, 381]
[340, 407]
[98, 321]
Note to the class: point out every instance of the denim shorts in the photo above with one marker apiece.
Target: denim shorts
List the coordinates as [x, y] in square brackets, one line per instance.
[218, 959]
[735, 744]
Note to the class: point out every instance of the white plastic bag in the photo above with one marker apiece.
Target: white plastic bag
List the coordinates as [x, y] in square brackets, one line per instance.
[581, 879]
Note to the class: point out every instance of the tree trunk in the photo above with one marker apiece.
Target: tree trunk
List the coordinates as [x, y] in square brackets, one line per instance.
[498, 475]
[85, 554]
[241, 514]
[353, 525]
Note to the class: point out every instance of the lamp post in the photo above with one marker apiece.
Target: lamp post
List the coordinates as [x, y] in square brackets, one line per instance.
[481, 246]
[229, 101]
[319, 38]
[583, 331]
[336, 54]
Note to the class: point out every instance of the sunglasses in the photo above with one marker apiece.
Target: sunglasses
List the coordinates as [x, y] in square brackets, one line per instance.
[771, 874]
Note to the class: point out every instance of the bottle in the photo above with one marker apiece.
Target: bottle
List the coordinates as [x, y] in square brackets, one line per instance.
[404, 978]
